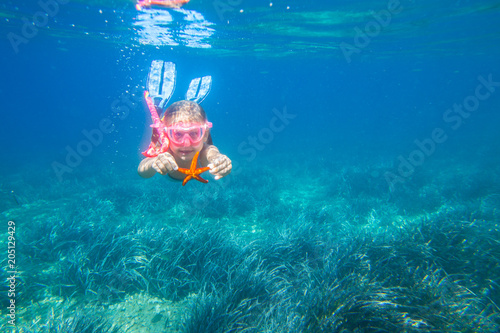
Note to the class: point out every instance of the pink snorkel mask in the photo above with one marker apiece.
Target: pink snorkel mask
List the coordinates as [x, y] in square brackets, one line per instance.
[193, 133]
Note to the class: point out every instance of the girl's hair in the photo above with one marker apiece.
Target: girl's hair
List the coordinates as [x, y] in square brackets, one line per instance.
[184, 111]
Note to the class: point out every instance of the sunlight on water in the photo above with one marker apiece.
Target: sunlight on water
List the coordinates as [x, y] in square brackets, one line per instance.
[160, 27]
[273, 31]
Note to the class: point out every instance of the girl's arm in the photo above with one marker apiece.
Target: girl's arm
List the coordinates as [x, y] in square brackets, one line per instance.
[220, 164]
[145, 168]
[163, 164]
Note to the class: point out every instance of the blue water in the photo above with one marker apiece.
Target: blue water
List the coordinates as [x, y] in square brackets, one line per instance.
[391, 123]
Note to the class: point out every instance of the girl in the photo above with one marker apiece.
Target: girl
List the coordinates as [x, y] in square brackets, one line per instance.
[188, 132]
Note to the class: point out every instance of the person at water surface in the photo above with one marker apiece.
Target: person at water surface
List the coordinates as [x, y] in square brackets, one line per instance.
[160, 3]
[188, 132]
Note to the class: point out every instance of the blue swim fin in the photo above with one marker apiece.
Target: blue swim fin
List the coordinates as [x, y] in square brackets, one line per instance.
[161, 82]
[199, 89]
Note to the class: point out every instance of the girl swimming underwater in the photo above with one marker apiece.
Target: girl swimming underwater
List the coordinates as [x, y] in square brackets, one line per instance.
[186, 132]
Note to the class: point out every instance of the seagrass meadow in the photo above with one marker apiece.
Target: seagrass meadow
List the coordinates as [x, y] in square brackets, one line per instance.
[267, 254]
[365, 186]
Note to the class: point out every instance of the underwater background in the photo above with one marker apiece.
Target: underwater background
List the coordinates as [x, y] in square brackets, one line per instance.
[365, 191]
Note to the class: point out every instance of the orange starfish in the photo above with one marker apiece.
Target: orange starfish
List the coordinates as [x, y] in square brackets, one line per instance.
[193, 172]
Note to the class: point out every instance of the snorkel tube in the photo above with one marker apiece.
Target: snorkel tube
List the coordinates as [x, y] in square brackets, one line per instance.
[153, 149]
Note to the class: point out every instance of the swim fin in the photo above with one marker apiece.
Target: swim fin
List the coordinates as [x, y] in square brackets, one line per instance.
[161, 82]
[199, 89]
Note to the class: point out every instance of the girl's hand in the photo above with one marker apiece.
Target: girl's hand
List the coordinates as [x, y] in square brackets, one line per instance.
[220, 165]
[164, 163]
